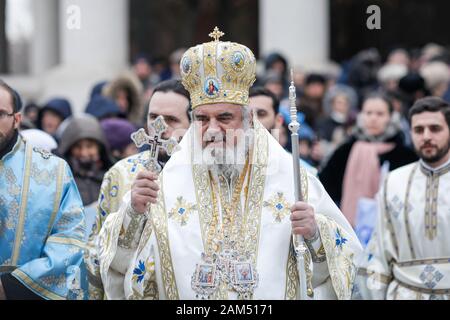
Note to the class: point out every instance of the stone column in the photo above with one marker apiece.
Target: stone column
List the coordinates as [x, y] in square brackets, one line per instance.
[94, 47]
[299, 29]
[45, 41]
[102, 37]
[3, 41]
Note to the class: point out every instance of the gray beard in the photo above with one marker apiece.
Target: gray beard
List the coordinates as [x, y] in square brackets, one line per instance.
[217, 164]
[228, 170]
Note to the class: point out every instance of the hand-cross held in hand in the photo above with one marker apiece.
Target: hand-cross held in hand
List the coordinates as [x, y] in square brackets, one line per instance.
[154, 140]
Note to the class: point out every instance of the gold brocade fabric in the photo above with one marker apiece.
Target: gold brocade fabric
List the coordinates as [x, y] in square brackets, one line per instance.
[218, 72]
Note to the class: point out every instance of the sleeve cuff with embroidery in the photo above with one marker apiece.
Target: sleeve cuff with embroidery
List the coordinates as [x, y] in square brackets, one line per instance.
[316, 248]
[132, 227]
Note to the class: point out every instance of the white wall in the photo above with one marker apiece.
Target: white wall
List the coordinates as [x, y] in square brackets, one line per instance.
[96, 51]
[45, 41]
[68, 62]
[296, 28]
[103, 34]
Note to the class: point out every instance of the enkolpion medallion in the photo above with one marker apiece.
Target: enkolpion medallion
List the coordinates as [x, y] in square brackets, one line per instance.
[231, 267]
[206, 278]
[238, 271]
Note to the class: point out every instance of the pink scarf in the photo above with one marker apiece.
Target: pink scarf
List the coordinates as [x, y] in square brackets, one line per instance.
[362, 175]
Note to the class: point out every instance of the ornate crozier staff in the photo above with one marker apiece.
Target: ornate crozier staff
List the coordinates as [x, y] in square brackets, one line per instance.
[299, 245]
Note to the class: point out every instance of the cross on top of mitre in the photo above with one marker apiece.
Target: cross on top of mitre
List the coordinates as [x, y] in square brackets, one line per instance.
[216, 34]
[154, 140]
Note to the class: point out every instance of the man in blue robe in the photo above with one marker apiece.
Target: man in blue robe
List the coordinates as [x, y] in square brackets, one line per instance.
[42, 225]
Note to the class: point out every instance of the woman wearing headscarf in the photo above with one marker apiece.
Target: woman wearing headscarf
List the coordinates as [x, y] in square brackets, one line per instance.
[354, 169]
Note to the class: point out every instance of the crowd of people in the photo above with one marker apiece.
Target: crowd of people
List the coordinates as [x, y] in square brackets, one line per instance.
[359, 111]
[354, 124]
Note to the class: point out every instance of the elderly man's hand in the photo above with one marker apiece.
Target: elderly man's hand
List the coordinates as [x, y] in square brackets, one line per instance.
[144, 190]
[303, 220]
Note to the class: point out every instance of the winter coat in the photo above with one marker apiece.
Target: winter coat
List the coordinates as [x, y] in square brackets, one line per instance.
[85, 127]
[132, 85]
[60, 106]
[332, 174]
[102, 107]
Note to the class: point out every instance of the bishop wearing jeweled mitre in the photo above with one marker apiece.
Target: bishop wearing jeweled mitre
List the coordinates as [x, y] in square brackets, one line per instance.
[217, 222]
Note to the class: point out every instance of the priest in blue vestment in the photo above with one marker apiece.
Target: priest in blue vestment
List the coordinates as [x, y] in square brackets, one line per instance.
[42, 227]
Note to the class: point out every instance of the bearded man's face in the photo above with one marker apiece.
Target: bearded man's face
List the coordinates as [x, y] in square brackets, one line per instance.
[431, 136]
[9, 121]
[223, 130]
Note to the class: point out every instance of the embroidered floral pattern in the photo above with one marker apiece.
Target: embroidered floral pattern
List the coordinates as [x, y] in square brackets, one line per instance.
[395, 206]
[340, 240]
[12, 217]
[114, 191]
[44, 153]
[102, 205]
[58, 281]
[141, 270]
[68, 218]
[279, 206]
[139, 160]
[43, 177]
[430, 276]
[13, 188]
[182, 211]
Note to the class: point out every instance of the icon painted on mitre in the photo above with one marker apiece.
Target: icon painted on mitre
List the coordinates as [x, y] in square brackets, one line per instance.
[238, 60]
[186, 64]
[211, 87]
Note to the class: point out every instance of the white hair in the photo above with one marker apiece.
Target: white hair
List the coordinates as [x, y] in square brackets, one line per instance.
[392, 72]
[435, 73]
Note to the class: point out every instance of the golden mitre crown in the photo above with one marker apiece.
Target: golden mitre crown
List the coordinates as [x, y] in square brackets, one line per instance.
[218, 72]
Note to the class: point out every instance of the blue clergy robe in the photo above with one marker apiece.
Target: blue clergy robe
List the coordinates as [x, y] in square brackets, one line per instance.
[42, 226]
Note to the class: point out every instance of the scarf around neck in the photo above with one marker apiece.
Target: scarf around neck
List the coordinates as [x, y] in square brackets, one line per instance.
[362, 172]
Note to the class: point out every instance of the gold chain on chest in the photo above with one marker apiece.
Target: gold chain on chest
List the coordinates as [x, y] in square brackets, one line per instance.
[218, 232]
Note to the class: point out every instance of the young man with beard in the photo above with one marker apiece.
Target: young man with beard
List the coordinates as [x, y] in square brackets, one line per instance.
[266, 106]
[224, 202]
[169, 100]
[408, 255]
[41, 215]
